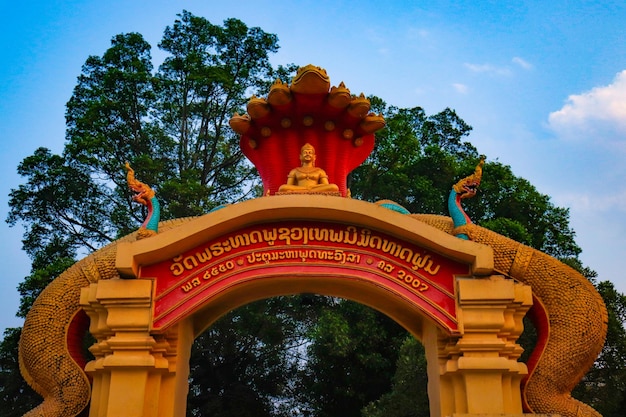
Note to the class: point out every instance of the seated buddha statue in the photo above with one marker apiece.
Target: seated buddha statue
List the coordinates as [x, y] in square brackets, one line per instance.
[308, 177]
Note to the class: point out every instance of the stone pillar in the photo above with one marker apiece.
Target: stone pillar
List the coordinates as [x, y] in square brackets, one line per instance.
[477, 371]
[134, 371]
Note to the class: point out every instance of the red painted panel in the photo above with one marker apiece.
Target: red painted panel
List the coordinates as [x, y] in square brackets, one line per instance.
[305, 249]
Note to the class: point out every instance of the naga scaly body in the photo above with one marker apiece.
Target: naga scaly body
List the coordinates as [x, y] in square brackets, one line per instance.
[568, 313]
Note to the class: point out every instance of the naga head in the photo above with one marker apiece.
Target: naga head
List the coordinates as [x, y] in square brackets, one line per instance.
[468, 186]
[143, 192]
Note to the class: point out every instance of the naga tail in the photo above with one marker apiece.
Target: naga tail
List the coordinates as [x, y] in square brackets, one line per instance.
[53, 366]
[570, 318]
[51, 355]
[568, 313]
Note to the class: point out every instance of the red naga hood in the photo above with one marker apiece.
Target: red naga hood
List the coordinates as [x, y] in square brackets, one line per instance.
[336, 123]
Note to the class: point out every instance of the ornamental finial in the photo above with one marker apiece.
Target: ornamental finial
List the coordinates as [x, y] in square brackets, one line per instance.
[144, 195]
[468, 186]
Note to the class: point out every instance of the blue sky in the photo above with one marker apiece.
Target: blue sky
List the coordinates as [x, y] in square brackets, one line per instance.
[542, 83]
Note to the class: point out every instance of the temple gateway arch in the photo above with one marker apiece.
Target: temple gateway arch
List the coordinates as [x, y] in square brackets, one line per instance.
[189, 276]
[460, 289]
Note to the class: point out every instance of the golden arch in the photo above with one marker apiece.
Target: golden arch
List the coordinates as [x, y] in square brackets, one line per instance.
[139, 358]
[144, 326]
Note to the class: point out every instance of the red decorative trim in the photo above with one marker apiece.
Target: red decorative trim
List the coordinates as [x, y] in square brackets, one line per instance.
[538, 315]
[75, 336]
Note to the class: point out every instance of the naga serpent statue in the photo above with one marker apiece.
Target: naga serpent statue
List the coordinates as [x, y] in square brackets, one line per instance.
[146, 196]
[569, 315]
[50, 350]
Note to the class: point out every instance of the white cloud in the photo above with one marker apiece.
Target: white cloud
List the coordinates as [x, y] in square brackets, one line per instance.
[487, 69]
[522, 63]
[499, 70]
[592, 202]
[417, 33]
[599, 114]
[460, 88]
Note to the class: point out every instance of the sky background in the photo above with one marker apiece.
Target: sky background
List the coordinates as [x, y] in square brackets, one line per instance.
[542, 83]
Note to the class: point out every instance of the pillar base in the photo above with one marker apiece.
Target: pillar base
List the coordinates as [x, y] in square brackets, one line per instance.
[477, 373]
[135, 372]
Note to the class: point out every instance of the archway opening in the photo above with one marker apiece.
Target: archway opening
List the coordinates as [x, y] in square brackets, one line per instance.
[308, 355]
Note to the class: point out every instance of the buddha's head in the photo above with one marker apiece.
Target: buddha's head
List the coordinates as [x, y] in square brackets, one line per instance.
[307, 153]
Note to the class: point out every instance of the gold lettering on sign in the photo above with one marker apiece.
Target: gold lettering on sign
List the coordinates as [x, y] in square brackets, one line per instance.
[208, 274]
[291, 236]
[189, 285]
[403, 276]
[302, 255]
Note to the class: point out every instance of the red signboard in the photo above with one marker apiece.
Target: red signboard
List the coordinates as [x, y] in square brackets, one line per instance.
[283, 249]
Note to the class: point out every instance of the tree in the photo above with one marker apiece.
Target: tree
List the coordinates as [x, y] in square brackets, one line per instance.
[60, 205]
[16, 396]
[512, 206]
[119, 111]
[351, 359]
[241, 364]
[210, 73]
[313, 355]
[169, 124]
[409, 394]
[418, 158]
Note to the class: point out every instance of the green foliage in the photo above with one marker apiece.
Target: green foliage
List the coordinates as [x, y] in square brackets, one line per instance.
[510, 228]
[170, 124]
[38, 280]
[416, 159]
[351, 359]
[209, 75]
[238, 366]
[16, 396]
[409, 395]
[61, 208]
[514, 207]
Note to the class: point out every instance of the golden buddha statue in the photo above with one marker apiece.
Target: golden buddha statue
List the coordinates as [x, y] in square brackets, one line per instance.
[308, 177]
